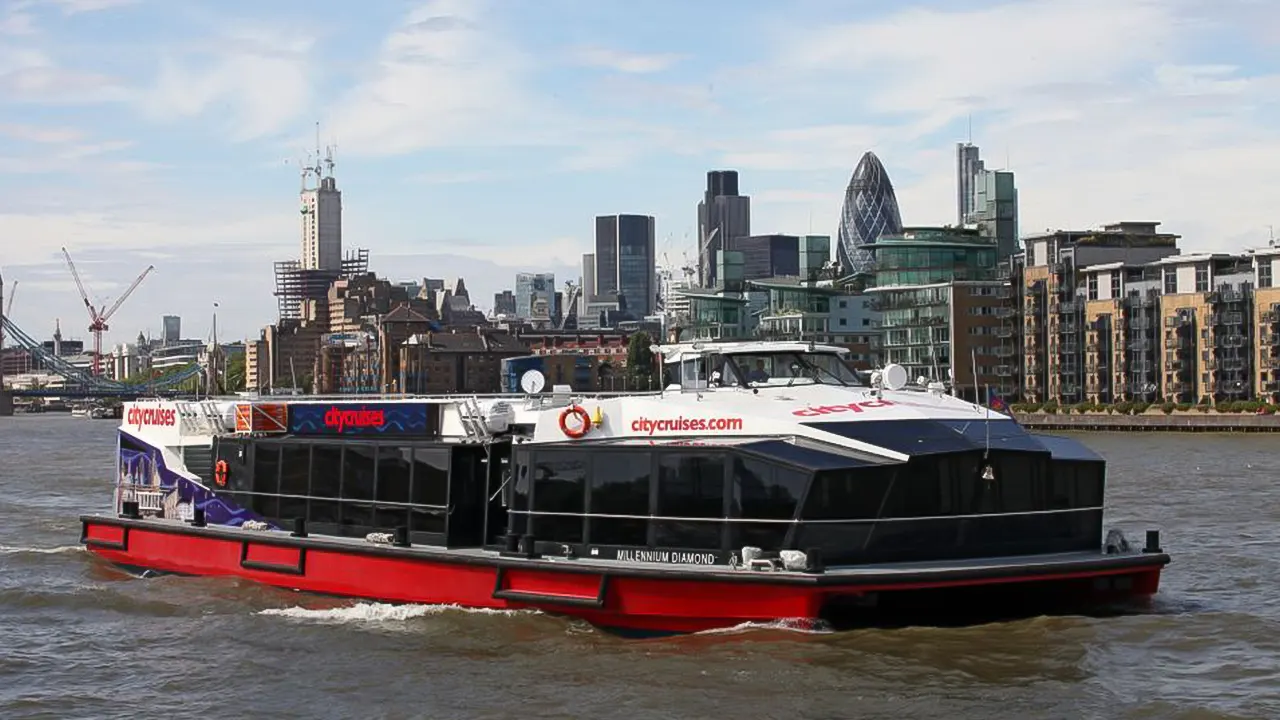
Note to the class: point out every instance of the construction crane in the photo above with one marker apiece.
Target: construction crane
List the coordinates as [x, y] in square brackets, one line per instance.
[98, 317]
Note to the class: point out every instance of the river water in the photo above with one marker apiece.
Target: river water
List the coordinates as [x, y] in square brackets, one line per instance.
[79, 639]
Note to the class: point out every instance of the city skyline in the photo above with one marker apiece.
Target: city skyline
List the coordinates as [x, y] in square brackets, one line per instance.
[192, 107]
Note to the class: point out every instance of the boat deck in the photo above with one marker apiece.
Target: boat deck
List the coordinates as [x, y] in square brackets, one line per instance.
[1022, 567]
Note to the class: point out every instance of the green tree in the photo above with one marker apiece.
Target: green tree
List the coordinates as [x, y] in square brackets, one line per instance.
[233, 376]
[640, 360]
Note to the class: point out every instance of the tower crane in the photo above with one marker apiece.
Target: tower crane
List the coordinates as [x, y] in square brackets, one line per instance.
[98, 316]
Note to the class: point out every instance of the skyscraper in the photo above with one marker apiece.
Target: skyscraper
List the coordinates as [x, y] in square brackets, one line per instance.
[172, 329]
[723, 217]
[321, 218]
[626, 261]
[535, 295]
[995, 209]
[870, 210]
[968, 165]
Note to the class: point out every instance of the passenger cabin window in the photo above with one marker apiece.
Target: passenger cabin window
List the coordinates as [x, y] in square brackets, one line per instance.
[622, 492]
[341, 487]
[691, 491]
[764, 491]
[560, 486]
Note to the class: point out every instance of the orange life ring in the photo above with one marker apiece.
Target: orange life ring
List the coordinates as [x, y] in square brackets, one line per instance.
[220, 473]
[582, 415]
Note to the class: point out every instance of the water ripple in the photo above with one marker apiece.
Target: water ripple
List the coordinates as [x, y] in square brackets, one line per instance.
[77, 631]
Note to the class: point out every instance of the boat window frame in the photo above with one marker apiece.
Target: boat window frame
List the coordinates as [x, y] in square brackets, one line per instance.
[525, 522]
[249, 499]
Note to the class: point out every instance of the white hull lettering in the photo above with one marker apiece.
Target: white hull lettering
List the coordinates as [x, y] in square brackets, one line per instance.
[667, 557]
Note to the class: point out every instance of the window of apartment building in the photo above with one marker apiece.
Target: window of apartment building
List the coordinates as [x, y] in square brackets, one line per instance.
[1202, 278]
[1170, 281]
[844, 304]
[843, 321]
[1093, 287]
[1264, 273]
[1115, 284]
[866, 322]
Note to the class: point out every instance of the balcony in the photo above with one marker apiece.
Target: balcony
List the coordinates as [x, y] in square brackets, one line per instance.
[1177, 344]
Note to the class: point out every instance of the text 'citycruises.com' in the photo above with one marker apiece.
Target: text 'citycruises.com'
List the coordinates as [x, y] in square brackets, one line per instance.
[684, 424]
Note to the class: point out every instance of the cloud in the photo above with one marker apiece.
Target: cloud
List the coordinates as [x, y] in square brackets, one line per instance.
[445, 76]
[1105, 110]
[263, 78]
[623, 62]
[17, 24]
[76, 7]
[40, 133]
[32, 76]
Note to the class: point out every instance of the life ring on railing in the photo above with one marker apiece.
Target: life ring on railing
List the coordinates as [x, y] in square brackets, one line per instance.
[220, 473]
[583, 417]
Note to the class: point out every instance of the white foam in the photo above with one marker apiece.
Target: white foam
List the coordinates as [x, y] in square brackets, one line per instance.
[374, 612]
[795, 625]
[12, 550]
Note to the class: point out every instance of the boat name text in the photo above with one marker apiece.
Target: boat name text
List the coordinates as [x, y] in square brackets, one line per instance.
[340, 419]
[856, 407]
[161, 416]
[667, 557]
[684, 424]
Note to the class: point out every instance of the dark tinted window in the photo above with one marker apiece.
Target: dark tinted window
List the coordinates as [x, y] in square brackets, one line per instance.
[268, 506]
[431, 476]
[357, 517]
[394, 467]
[266, 468]
[295, 469]
[559, 486]
[1075, 485]
[765, 490]
[358, 463]
[427, 520]
[691, 486]
[326, 470]
[848, 494]
[622, 490]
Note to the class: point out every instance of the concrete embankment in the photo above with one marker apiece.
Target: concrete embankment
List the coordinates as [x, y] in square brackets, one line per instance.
[6, 403]
[1152, 422]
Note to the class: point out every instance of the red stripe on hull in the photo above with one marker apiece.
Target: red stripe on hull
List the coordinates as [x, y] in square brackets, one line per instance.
[617, 600]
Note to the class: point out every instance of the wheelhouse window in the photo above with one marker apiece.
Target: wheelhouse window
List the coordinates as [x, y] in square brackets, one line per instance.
[790, 368]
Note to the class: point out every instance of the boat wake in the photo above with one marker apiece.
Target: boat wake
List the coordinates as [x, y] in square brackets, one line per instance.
[14, 550]
[794, 625]
[372, 612]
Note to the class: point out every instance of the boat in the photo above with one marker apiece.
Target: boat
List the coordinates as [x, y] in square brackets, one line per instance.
[765, 483]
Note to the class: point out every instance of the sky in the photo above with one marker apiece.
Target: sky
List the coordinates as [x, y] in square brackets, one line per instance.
[479, 139]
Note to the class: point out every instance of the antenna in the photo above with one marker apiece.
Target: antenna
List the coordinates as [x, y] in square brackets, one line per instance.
[973, 366]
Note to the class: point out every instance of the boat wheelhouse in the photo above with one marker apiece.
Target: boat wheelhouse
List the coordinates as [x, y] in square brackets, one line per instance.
[767, 467]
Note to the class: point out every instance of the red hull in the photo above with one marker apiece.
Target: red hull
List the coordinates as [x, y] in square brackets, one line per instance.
[624, 597]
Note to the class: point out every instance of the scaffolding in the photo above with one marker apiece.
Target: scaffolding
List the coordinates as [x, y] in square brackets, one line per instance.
[296, 284]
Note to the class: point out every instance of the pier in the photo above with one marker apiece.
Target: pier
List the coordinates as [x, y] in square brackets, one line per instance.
[1152, 422]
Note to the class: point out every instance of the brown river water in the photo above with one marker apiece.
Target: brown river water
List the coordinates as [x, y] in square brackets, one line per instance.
[79, 639]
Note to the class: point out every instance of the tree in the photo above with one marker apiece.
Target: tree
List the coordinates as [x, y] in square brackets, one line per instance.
[640, 360]
[234, 375]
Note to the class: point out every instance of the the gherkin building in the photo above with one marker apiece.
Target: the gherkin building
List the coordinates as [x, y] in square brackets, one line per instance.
[870, 210]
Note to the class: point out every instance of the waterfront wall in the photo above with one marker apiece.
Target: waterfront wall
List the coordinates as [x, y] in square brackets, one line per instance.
[6, 403]
[1152, 422]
